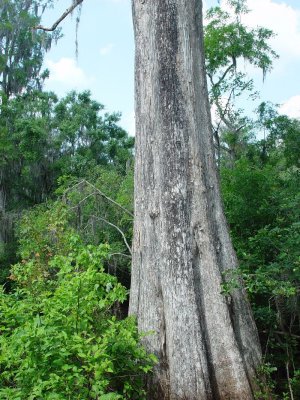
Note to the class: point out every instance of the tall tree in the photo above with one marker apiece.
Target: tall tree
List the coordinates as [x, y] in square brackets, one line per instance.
[42, 139]
[206, 343]
[229, 43]
[22, 49]
[21, 56]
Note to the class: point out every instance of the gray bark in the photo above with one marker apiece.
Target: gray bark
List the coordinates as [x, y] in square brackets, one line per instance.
[207, 344]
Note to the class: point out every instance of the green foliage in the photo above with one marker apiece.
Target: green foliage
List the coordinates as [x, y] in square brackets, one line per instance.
[229, 44]
[265, 383]
[262, 202]
[22, 48]
[59, 338]
[283, 139]
[87, 138]
[101, 211]
[248, 188]
[43, 138]
[227, 41]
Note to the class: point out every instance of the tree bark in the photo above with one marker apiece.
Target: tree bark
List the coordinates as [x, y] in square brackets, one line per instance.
[206, 343]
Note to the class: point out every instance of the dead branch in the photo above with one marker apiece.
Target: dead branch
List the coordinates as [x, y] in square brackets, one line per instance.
[120, 254]
[83, 200]
[118, 229]
[61, 18]
[284, 334]
[108, 198]
[97, 191]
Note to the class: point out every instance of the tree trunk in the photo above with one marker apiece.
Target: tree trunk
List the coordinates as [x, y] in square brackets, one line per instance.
[206, 343]
[2, 215]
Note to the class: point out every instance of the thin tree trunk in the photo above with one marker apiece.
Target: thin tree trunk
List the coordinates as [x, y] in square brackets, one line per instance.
[206, 343]
[2, 214]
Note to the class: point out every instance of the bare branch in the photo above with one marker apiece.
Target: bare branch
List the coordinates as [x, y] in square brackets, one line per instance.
[108, 198]
[83, 200]
[97, 191]
[284, 334]
[118, 229]
[61, 18]
[120, 254]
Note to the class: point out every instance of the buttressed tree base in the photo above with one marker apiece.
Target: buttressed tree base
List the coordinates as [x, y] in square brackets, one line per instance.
[206, 343]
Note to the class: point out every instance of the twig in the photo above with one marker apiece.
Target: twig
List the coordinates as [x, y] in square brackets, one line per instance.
[288, 374]
[61, 18]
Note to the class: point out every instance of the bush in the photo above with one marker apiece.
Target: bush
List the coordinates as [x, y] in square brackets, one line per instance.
[59, 338]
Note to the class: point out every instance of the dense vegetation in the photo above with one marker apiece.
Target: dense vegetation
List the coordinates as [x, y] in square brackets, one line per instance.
[66, 188]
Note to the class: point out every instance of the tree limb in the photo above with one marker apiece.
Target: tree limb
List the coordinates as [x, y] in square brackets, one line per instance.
[120, 254]
[284, 334]
[221, 79]
[96, 190]
[118, 229]
[61, 18]
[108, 198]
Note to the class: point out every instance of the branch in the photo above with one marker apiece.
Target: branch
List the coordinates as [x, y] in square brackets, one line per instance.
[284, 334]
[120, 254]
[96, 190]
[222, 113]
[83, 200]
[224, 119]
[61, 18]
[288, 375]
[221, 79]
[108, 198]
[118, 229]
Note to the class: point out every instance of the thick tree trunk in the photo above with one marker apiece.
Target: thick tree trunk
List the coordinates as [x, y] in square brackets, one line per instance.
[206, 343]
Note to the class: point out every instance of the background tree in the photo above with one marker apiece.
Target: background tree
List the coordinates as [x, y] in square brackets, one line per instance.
[43, 138]
[22, 48]
[261, 196]
[21, 57]
[228, 44]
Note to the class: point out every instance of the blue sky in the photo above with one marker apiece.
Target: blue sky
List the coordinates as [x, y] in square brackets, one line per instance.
[106, 54]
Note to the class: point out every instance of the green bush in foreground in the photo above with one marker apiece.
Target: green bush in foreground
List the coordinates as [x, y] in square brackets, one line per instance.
[58, 336]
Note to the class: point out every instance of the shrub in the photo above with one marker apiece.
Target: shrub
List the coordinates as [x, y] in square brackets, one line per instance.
[59, 338]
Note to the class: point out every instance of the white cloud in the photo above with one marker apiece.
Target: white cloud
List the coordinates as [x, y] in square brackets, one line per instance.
[106, 49]
[66, 74]
[291, 107]
[282, 19]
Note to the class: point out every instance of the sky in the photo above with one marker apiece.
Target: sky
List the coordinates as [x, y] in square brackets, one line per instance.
[105, 63]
